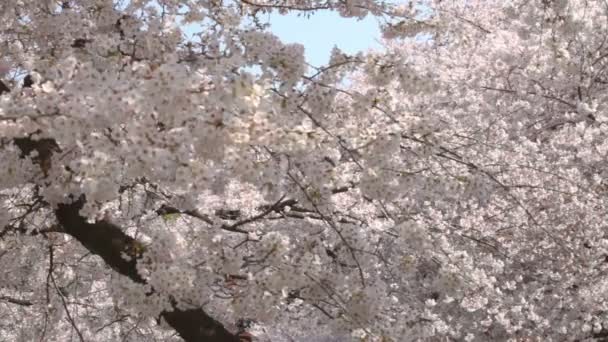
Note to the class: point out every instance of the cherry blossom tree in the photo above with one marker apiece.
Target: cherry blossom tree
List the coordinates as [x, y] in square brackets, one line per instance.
[218, 188]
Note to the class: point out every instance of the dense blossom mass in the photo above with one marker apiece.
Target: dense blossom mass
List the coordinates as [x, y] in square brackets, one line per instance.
[214, 187]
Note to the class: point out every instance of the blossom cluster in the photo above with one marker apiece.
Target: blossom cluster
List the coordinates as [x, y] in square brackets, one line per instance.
[452, 186]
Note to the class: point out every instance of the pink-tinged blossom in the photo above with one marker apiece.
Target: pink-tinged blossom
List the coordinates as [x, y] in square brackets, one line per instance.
[449, 187]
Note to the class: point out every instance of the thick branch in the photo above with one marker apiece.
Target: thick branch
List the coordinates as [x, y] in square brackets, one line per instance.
[4, 88]
[112, 244]
[16, 301]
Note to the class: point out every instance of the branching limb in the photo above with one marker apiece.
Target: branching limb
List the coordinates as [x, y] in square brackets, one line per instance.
[110, 243]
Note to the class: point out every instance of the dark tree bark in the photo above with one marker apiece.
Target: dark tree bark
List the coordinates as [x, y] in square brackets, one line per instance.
[28, 81]
[109, 242]
[4, 88]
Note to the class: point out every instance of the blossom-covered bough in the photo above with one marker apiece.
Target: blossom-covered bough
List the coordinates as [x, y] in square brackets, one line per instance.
[162, 187]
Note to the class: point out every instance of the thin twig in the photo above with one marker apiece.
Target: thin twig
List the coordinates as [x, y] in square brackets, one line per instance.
[65, 306]
[234, 227]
